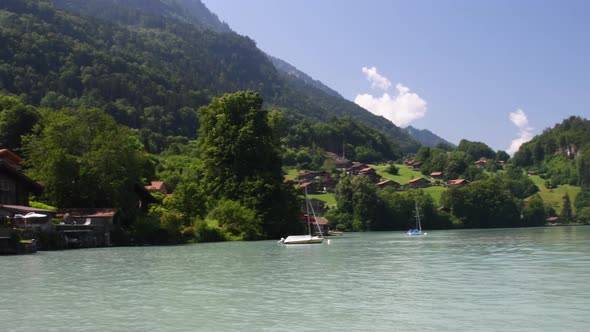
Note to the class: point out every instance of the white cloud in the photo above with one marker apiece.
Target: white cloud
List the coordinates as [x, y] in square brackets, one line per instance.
[377, 81]
[519, 119]
[525, 132]
[401, 108]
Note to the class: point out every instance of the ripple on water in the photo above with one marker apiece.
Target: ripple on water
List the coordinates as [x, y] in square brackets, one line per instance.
[490, 280]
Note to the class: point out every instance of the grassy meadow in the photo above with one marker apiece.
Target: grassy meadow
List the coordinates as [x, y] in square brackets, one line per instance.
[551, 197]
[554, 197]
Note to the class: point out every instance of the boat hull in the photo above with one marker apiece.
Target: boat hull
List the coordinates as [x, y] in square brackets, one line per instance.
[414, 232]
[303, 239]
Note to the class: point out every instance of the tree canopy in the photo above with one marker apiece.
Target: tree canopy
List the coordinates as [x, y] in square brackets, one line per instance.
[241, 161]
[85, 159]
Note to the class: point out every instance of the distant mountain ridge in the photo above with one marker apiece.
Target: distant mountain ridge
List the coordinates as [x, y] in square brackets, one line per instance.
[291, 71]
[426, 137]
[187, 11]
[148, 63]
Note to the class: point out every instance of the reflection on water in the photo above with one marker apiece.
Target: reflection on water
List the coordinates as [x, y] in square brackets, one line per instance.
[467, 280]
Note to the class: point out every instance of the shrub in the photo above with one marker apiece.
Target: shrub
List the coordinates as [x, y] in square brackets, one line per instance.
[392, 169]
[237, 220]
[206, 233]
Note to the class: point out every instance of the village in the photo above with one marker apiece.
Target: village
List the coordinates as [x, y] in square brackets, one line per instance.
[26, 229]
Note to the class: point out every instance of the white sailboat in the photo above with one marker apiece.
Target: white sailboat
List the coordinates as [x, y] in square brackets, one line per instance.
[309, 238]
[418, 229]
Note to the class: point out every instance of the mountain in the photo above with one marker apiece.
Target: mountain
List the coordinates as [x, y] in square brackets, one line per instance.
[300, 77]
[151, 63]
[203, 16]
[142, 11]
[426, 137]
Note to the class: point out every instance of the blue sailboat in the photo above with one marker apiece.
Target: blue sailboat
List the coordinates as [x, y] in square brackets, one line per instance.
[418, 229]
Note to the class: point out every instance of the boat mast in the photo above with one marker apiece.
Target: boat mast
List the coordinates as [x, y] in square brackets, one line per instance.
[307, 211]
[418, 224]
[308, 206]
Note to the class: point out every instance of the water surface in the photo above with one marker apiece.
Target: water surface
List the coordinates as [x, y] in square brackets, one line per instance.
[468, 280]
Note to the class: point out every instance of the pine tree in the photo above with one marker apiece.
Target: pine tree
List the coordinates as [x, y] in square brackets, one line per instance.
[566, 212]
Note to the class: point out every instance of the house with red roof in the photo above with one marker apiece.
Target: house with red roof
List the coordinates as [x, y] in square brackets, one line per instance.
[482, 163]
[315, 223]
[458, 182]
[317, 181]
[553, 221]
[356, 168]
[388, 184]
[89, 216]
[370, 173]
[436, 175]
[158, 186]
[419, 183]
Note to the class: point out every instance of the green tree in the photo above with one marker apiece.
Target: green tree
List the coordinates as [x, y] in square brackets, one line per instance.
[534, 212]
[190, 199]
[241, 162]
[583, 215]
[476, 150]
[566, 214]
[237, 220]
[392, 169]
[457, 166]
[16, 119]
[483, 204]
[84, 159]
[583, 199]
[583, 164]
[358, 204]
[502, 155]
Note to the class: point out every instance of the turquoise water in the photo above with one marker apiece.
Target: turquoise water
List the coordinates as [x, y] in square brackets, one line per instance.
[468, 280]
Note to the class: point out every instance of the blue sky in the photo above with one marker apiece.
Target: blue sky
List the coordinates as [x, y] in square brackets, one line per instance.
[497, 71]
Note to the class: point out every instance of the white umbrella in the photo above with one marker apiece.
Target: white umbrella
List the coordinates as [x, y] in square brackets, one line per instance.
[34, 215]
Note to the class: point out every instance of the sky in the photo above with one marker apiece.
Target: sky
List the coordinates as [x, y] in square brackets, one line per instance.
[497, 72]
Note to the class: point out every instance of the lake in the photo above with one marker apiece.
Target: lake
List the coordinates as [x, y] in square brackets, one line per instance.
[534, 279]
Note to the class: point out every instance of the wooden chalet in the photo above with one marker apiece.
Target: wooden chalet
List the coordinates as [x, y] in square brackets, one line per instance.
[314, 223]
[144, 197]
[356, 168]
[158, 186]
[311, 176]
[419, 183]
[87, 227]
[90, 216]
[552, 220]
[370, 173]
[388, 184]
[482, 163]
[341, 164]
[15, 187]
[416, 165]
[317, 181]
[436, 175]
[458, 182]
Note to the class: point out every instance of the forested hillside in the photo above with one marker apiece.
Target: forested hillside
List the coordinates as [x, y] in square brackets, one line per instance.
[152, 64]
[561, 154]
